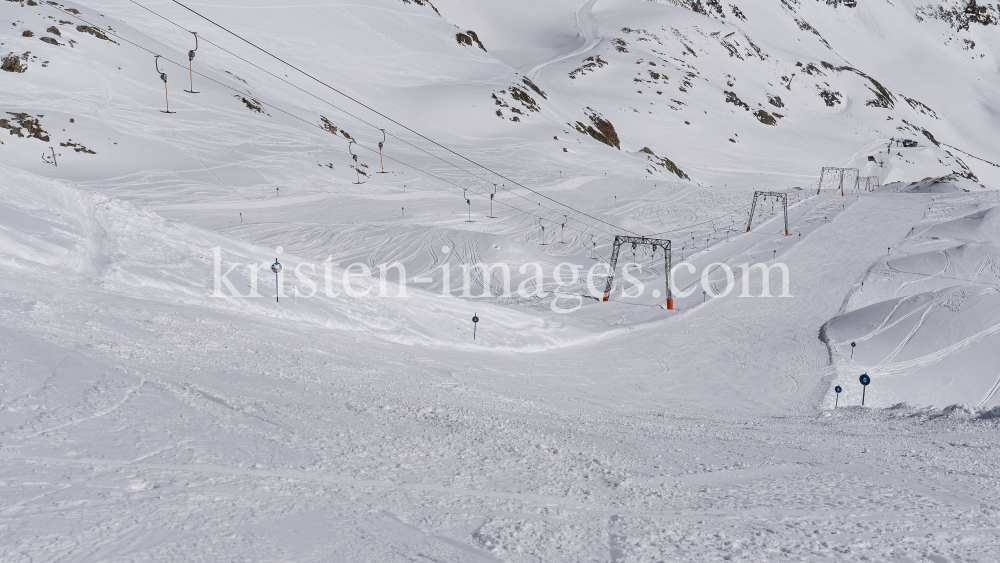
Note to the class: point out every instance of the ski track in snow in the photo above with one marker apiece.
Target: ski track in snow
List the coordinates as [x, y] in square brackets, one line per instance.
[589, 27]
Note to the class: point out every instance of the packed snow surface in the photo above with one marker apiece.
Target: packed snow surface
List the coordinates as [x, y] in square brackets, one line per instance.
[158, 403]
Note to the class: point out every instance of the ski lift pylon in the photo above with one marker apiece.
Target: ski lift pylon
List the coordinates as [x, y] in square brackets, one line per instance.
[380, 145]
[357, 170]
[53, 162]
[163, 77]
[191, 54]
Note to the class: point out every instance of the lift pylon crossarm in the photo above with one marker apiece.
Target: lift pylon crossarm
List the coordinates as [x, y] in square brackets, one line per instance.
[163, 75]
[635, 241]
[192, 52]
[777, 195]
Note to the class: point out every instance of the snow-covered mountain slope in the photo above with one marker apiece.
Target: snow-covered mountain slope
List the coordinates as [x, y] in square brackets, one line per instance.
[714, 88]
[147, 412]
[769, 87]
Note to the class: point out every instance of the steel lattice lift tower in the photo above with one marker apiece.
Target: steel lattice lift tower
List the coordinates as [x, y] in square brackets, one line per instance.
[869, 183]
[636, 241]
[839, 174]
[777, 195]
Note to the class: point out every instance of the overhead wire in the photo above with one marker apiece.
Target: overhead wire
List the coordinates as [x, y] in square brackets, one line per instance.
[303, 90]
[278, 109]
[723, 216]
[362, 120]
[972, 155]
[698, 224]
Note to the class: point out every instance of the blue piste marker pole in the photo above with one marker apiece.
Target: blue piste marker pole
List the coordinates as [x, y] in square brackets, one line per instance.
[865, 380]
[853, 344]
[475, 323]
[836, 402]
[276, 268]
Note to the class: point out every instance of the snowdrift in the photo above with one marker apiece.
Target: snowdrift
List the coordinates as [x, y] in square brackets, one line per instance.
[925, 319]
[937, 348]
[981, 226]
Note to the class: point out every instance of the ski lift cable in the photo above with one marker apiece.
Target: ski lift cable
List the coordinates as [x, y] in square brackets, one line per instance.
[380, 114]
[476, 192]
[586, 231]
[307, 122]
[733, 212]
[299, 88]
[421, 149]
[361, 120]
[473, 190]
[972, 155]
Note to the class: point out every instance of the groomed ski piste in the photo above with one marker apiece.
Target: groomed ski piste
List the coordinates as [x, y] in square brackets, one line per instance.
[158, 403]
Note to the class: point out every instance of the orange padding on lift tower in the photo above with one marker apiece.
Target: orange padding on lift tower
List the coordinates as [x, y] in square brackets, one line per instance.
[606, 295]
[786, 232]
[670, 304]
